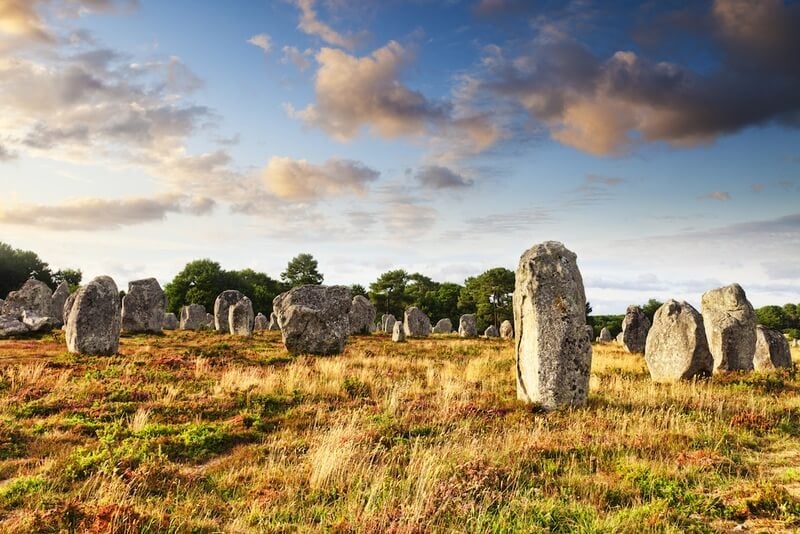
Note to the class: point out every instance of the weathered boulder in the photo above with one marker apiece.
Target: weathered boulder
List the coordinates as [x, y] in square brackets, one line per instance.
[676, 347]
[772, 350]
[554, 356]
[507, 329]
[605, 335]
[36, 323]
[170, 322]
[387, 322]
[416, 323]
[143, 306]
[314, 319]
[94, 320]
[730, 324]
[467, 325]
[240, 318]
[273, 321]
[260, 323]
[398, 332]
[193, 317]
[59, 298]
[362, 315]
[491, 331]
[34, 297]
[225, 300]
[635, 327]
[10, 326]
[443, 326]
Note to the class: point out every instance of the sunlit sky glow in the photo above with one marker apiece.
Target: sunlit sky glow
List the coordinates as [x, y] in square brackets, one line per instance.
[658, 140]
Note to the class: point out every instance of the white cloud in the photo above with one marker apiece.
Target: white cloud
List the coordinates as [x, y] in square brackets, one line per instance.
[311, 25]
[262, 41]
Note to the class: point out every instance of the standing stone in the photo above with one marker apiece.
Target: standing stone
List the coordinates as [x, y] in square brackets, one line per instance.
[467, 325]
[273, 321]
[94, 321]
[225, 300]
[618, 339]
[416, 323]
[676, 347]
[444, 326]
[730, 324]
[240, 318]
[193, 317]
[491, 332]
[59, 298]
[260, 323]
[398, 332]
[170, 322]
[772, 350]
[507, 329]
[34, 297]
[554, 357]
[362, 315]
[635, 326]
[605, 335]
[143, 306]
[68, 308]
[314, 319]
[209, 322]
[388, 322]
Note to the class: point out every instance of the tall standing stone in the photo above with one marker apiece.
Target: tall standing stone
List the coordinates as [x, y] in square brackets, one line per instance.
[143, 306]
[193, 317]
[68, 308]
[506, 329]
[387, 322]
[170, 322]
[491, 331]
[467, 325]
[635, 327]
[273, 321]
[398, 332]
[730, 324]
[59, 298]
[362, 315]
[676, 347]
[444, 326]
[314, 319]
[240, 318]
[260, 323]
[225, 300]
[94, 321]
[554, 357]
[416, 323]
[605, 335]
[772, 350]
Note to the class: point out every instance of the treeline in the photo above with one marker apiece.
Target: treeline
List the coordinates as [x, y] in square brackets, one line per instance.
[487, 295]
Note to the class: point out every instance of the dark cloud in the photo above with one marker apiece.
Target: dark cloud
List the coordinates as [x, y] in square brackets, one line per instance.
[604, 105]
[437, 177]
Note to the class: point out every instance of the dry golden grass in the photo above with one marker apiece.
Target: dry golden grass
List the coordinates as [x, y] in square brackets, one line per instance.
[199, 432]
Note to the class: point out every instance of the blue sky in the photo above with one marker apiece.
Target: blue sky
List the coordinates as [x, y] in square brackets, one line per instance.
[658, 140]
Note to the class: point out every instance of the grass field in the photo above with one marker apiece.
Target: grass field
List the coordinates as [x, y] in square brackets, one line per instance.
[200, 432]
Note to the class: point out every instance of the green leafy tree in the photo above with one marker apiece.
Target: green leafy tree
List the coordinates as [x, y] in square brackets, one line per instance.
[199, 282]
[489, 296]
[302, 270]
[651, 307]
[16, 266]
[589, 319]
[421, 292]
[446, 302]
[612, 322]
[358, 289]
[72, 277]
[388, 292]
[258, 286]
[772, 317]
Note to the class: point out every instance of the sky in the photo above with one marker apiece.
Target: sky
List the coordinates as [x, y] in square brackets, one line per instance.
[658, 140]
